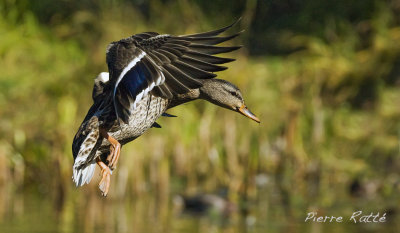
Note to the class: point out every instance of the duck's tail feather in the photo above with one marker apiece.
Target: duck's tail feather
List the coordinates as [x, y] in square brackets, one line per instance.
[83, 175]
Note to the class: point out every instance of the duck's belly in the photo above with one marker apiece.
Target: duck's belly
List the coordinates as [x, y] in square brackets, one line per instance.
[148, 110]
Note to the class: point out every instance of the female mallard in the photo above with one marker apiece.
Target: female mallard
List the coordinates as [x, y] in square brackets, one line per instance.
[148, 74]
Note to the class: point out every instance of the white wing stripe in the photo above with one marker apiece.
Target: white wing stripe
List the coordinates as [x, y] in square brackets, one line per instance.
[140, 95]
[128, 68]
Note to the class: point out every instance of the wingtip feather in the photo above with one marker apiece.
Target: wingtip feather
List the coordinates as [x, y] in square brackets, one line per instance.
[214, 32]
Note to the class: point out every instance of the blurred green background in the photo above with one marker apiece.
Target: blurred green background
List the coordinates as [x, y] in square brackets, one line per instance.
[323, 77]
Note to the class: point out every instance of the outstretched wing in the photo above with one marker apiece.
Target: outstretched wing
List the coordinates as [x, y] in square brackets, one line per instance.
[164, 65]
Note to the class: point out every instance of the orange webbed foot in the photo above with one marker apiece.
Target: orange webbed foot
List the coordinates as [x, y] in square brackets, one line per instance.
[104, 184]
[115, 150]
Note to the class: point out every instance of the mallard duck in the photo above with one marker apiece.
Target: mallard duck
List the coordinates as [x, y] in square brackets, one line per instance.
[148, 74]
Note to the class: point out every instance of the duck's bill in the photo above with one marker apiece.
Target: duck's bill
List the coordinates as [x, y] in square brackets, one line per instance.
[246, 112]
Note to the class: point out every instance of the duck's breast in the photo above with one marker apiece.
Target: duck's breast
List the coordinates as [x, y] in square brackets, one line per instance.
[148, 110]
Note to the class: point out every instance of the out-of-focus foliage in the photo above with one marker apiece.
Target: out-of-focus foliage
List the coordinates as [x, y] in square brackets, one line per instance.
[323, 77]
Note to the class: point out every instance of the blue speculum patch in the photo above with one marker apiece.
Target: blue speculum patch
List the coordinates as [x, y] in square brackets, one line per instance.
[135, 79]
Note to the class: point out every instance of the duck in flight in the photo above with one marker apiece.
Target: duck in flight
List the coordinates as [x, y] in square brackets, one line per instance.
[148, 74]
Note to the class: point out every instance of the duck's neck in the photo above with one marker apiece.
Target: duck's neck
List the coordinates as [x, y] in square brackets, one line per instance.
[194, 94]
[184, 98]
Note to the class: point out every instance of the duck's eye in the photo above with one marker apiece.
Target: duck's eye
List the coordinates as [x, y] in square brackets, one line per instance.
[234, 93]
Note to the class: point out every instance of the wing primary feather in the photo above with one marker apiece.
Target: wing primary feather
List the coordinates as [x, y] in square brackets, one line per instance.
[211, 40]
[214, 32]
[180, 48]
[172, 50]
[211, 49]
[176, 40]
[185, 78]
[191, 71]
[207, 58]
[202, 65]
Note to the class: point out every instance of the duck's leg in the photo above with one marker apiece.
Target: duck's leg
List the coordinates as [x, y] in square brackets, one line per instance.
[115, 149]
[104, 184]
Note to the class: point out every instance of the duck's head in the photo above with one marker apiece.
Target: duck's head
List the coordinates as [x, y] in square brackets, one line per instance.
[226, 95]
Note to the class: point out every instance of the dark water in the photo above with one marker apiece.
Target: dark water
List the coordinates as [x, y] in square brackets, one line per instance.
[83, 210]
